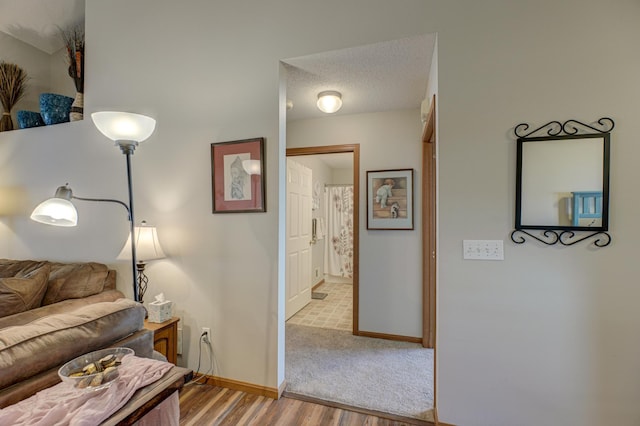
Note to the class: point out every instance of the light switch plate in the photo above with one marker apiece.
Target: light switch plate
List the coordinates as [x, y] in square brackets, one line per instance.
[483, 249]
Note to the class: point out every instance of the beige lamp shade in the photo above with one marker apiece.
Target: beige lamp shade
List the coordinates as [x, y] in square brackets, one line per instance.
[147, 244]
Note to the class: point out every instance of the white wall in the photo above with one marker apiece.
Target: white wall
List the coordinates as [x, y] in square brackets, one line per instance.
[547, 335]
[46, 73]
[35, 63]
[390, 284]
[342, 176]
[220, 83]
[59, 76]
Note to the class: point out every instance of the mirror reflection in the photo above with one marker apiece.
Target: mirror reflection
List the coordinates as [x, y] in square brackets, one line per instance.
[563, 182]
[35, 43]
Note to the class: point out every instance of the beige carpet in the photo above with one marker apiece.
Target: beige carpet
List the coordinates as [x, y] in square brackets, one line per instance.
[374, 374]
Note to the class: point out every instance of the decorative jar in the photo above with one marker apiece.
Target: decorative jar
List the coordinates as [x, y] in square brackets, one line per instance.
[55, 108]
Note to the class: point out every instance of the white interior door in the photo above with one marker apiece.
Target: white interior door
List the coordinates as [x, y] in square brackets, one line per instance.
[298, 273]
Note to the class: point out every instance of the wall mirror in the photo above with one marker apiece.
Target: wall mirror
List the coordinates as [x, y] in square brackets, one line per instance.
[562, 182]
[31, 38]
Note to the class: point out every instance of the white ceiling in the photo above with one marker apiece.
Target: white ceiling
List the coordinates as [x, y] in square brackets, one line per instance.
[38, 22]
[384, 76]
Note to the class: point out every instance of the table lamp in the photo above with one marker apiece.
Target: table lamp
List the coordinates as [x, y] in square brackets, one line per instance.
[147, 248]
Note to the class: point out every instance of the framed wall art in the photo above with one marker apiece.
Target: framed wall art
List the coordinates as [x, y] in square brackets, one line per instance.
[390, 199]
[237, 176]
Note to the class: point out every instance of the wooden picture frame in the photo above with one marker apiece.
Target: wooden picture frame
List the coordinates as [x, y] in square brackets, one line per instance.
[390, 199]
[237, 176]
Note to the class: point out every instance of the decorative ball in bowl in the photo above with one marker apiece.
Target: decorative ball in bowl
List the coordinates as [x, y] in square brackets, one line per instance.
[95, 370]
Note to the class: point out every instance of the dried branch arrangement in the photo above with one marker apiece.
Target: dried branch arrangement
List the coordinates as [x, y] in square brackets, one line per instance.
[13, 81]
[74, 42]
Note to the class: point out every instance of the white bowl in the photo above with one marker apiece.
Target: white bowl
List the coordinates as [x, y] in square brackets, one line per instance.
[92, 380]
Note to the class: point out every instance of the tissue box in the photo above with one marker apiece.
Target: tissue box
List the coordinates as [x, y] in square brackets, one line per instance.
[159, 311]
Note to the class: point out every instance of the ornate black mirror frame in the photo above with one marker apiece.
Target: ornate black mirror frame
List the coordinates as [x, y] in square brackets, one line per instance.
[567, 235]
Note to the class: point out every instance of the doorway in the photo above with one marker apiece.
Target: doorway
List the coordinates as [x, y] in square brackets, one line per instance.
[295, 93]
[347, 267]
[331, 242]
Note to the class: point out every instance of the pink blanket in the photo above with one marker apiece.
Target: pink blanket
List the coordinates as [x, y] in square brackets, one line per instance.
[63, 404]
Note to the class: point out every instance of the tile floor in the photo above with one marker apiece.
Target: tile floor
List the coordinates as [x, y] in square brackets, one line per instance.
[334, 311]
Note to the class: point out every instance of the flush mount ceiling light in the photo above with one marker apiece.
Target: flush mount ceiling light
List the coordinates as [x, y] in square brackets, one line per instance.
[329, 101]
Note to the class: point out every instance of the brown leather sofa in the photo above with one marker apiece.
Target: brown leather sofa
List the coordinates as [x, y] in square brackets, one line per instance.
[53, 312]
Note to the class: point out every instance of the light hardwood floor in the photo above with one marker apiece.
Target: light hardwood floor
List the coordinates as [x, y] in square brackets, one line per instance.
[212, 405]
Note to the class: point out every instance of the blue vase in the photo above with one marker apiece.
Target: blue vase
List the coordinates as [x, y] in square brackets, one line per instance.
[55, 108]
[28, 119]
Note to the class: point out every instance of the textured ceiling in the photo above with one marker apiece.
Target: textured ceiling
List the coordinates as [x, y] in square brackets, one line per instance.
[38, 22]
[379, 77]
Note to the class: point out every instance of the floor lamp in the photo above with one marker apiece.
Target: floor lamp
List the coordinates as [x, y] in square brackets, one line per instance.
[127, 130]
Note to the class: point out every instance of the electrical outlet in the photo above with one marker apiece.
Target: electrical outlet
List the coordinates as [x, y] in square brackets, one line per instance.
[206, 334]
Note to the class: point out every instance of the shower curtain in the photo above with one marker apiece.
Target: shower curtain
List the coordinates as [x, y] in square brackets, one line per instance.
[338, 248]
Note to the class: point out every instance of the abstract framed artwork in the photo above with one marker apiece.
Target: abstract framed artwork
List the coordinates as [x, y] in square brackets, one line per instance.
[390, 199]
[237, 176]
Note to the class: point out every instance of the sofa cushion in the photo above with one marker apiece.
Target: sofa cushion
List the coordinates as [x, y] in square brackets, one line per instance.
[50, 341]
[23, 291]
[74, 280]
[58, 308]
[12, 268]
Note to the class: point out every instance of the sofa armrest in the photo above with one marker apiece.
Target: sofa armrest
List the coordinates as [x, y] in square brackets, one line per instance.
[140, 341]
[29, 349]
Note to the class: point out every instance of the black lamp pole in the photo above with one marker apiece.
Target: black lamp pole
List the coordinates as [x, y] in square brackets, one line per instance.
[136, 295]
[128, 148]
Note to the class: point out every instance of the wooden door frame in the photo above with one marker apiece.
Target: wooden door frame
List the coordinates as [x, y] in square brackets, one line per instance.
[337, 149]
[429, 228]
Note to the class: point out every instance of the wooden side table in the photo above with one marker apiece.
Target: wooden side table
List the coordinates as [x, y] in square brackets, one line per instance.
[165, 337]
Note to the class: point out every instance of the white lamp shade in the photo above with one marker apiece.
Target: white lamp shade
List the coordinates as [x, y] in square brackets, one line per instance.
[251, 166]
[329, 101]
[57, 212]
[147, 245]
[124, 126]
